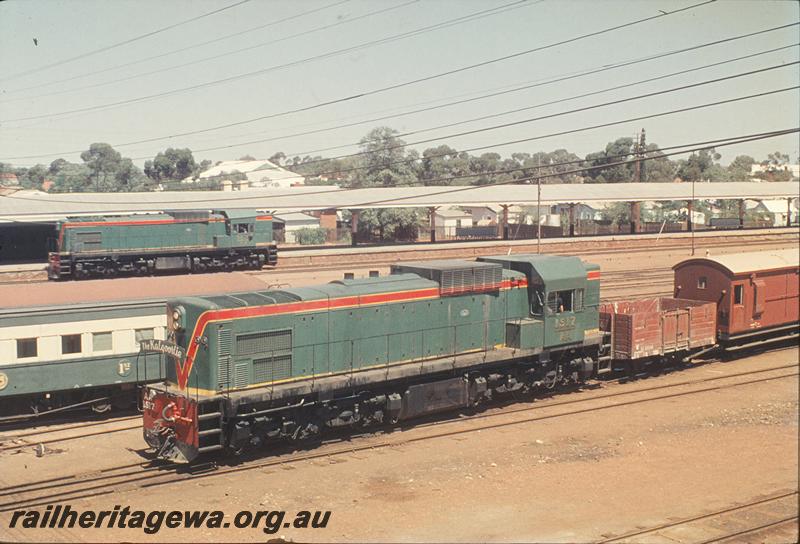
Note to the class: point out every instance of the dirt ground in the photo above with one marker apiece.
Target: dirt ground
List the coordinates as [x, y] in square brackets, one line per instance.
[574, 478]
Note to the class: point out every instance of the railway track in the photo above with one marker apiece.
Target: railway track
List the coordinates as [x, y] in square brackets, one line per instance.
[400, 253]
[146, 475]
[751, 522]
[47, 437]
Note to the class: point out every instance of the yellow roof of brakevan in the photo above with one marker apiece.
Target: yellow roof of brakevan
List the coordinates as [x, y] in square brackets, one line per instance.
[740, 263]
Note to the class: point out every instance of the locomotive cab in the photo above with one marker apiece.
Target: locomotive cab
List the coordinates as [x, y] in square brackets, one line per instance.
[562, 298]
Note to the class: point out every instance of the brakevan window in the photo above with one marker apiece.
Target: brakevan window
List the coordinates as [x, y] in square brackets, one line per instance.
[144, 334]
[738, 294]
[27, 347]
[101, 341]
[701, 282]
[71, 343]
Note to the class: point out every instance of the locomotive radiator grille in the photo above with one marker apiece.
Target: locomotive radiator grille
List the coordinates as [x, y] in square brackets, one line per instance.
[272, 368]
[263, 342]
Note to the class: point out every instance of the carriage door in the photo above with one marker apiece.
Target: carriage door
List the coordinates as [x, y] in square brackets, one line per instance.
[737, 310]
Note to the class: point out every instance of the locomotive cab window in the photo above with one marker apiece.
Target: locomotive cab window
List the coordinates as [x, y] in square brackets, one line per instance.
[560, 301]
[738, 294]
[537, 302]
[26, 348]
[702, 281]
[243, 228]
[70, 343]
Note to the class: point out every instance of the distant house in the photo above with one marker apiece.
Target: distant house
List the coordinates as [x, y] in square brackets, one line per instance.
[294, 221]
[794, 169]
[449, 219]
[493, 214]
[774, 210]
[583, 212]
[258, 174]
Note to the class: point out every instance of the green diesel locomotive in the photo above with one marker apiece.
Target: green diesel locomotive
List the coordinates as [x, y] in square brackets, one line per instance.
[175, 241]
[256, 367]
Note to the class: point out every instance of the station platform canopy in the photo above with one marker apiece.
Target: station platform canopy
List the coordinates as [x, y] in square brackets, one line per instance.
[23, 205]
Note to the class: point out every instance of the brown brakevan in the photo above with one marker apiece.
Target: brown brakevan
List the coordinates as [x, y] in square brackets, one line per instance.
[753, 292]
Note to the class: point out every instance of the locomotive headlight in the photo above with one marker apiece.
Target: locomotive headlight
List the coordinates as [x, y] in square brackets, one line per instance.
[178, 317]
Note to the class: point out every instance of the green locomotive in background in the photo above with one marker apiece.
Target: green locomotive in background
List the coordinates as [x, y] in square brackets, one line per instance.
[175, 241]
[431, 336]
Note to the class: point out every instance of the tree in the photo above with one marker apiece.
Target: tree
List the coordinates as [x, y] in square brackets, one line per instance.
[702, 166]
[35, 177]
[310, 236]
[69, 177]
[616, 151]
[739, 169]
[385, 161]
[278, 158]
[247, 158]
[102, 161]
[659, 168]
[773, 168]
[389, 224]
[171, 164]
[776, 159]
[443, 162]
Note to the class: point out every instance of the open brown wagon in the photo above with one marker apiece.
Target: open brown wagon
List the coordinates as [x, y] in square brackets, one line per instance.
[654, 327]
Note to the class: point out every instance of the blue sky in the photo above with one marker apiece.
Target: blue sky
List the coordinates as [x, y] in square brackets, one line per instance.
[39, 83]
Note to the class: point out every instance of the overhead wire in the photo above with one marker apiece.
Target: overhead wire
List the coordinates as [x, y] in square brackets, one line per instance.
[705, 145]
[472, 99]
[698, 146]
[255, 119]
[364, 45]
[372, 92]
[531, 179]
[558, 114]
[463, 188]
[548, 116]
[120, 44]
[236, 34]
[175, 67]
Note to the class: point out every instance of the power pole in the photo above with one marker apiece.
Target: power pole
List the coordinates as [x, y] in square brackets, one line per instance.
[638, 152]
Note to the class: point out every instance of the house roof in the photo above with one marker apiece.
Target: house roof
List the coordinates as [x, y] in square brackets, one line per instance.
[742, 263]
[256, 170]
[773, 206]
[451, 213]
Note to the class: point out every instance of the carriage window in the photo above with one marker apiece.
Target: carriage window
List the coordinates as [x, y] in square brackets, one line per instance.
[144, 334]
[26, 347]
[738, 294]
[559, 301]
[71, 343]
[101, 341]
[701, 282]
